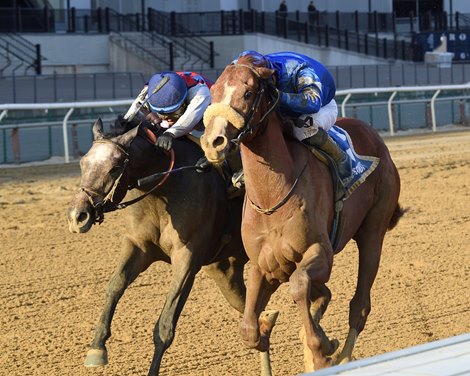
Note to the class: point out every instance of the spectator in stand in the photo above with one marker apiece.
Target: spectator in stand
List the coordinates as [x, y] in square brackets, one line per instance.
[283, 7]
[281, 27]
[312, 7]
[312, 13]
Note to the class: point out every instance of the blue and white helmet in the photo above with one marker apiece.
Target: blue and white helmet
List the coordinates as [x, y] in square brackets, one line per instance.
[258, 59]
[169, 97]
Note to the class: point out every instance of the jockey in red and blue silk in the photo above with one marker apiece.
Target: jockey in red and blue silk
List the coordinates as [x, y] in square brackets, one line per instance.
[179, 99]
[307, 94]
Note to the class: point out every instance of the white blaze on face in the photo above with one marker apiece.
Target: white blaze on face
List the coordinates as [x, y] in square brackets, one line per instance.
[228, 93]
[104, 153]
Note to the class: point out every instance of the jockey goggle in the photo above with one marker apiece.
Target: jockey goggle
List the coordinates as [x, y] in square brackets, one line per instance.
[175, 115]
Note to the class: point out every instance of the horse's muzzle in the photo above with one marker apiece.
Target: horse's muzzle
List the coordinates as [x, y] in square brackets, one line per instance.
[80, 219]
[214, 141]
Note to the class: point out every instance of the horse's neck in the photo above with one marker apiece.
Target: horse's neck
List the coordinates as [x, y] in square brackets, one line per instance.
[145, 161]
[268, 165]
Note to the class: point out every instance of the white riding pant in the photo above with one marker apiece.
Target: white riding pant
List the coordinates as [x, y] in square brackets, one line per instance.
[324, 119]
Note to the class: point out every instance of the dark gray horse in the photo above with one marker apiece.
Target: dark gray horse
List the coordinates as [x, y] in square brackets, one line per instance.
[187, 221]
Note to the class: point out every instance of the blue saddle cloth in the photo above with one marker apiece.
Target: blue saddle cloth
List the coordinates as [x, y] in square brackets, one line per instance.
[362, 166]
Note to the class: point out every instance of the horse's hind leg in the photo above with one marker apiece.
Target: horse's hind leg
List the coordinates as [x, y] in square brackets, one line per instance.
[228, 275]
[370, 248]
[185, 268]
[133, 262]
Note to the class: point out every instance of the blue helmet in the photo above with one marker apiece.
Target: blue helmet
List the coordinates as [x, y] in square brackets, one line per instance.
[258, 59]
[170, 96]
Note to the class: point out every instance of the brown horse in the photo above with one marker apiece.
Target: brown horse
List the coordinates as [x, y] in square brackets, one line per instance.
[289, 208]
[187, 221]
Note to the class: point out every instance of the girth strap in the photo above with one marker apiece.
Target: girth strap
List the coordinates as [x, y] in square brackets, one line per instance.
[338, 196]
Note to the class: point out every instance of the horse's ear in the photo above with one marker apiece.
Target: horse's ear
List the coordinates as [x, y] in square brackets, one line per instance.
[126, 139]
[265, 73]
[98, 129]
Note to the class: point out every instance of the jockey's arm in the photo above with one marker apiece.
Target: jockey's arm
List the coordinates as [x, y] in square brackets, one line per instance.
[199, 99]
[308, 96]
[136, 105]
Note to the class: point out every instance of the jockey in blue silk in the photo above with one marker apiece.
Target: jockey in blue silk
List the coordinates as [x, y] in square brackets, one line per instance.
[175, 101]
[307, 94]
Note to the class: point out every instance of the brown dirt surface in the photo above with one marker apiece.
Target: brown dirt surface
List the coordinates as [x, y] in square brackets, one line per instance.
[53, 282]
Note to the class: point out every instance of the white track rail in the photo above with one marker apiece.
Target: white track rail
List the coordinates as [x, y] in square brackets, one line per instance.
[446, 357]
[435, 91]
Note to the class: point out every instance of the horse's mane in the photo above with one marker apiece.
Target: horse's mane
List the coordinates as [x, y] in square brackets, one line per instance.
[119, 128]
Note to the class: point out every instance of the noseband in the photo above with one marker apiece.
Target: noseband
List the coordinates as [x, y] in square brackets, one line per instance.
[274, 93]
[106, 205]
[244, 122]
[102, 206]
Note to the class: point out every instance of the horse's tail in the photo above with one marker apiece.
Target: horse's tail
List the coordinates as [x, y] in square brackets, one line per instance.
[397, 214]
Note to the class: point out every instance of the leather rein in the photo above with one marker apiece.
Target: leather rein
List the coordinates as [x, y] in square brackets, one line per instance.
[106, 205]
[252, 128]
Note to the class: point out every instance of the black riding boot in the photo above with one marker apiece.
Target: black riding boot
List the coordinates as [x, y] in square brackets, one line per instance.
[231, 170]
[323, 141]
[236, 187]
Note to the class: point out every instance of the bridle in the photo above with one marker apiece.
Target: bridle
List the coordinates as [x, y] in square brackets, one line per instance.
[248, 128]
[274, 93]
[106, 205]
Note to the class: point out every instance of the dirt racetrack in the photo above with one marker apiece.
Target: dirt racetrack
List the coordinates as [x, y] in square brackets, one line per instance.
[52, 282]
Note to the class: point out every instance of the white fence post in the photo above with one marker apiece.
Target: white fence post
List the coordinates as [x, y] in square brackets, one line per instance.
[390, 114]
[433, 110]
[65, 135]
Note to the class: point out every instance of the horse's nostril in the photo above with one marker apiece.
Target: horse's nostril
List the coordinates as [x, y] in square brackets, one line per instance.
[219, 141]
[83, 217]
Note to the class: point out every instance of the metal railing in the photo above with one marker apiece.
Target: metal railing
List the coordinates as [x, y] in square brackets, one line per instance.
[47, 19]
[70, 87]
[87, 117]
[392, 97]
[432, 106]
[14, 47]
[166, 24]
[119, 85]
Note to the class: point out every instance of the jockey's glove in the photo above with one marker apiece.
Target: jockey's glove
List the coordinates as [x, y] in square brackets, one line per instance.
[203, 165]
[165, 141]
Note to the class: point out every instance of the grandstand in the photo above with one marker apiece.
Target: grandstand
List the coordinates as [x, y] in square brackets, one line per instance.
[49, 38]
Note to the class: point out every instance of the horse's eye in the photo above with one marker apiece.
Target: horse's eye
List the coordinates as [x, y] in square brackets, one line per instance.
[248, 94]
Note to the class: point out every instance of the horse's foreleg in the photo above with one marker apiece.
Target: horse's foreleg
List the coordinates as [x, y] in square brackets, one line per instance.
[228, 275]
[257, 296]
[314, 270]
[370, 246]
[255, 333]
[267, 321]
[185, 268]
[320, 298]
[133, 262]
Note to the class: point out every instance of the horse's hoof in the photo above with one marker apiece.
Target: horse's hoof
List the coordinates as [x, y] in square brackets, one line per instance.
[339, 359]
[263, 344]
[334, 344]
[96, 358]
